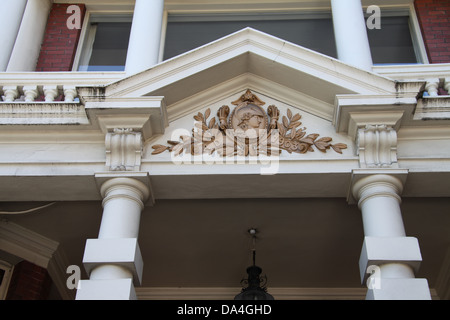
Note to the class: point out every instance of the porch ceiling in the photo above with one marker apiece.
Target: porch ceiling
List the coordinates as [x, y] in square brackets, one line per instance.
[303, 243]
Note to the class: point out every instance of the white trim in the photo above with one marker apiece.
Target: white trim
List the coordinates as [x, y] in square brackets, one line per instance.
[39, 250]
[8, 268]
[87, 45]
[414, 71]
[163, 36]
[417, 36]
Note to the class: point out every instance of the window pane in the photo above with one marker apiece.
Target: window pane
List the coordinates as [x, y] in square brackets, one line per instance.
[186, 34]
[392, 43]
[109, 48]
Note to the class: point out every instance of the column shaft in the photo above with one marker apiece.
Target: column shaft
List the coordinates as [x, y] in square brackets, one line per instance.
[9, 27]
[386, 249]
[114, 260]
[145, 36]
[350, 32]
[27, 47]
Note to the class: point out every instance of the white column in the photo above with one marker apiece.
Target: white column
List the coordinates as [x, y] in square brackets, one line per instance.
[387, 251]
[379, 201]
[350, 33]
[145, 36]
[9, 27]
[27, 47]
[114, 261]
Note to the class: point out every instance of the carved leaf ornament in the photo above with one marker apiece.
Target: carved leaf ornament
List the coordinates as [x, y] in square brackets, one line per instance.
[248, 131]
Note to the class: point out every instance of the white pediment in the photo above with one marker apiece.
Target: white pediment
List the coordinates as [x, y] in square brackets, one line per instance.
[251, 52]
[250, 59]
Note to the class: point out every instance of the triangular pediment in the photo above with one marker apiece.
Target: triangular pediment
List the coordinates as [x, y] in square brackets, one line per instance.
[251, 52]
[249, 59]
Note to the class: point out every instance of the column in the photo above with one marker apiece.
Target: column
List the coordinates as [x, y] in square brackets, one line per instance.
[9, 27]
[114, 260]
[145, 36]
[388, 254]
[350, 33]
[29, 39]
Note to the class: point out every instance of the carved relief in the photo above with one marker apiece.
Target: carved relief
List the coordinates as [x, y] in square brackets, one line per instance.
[377, 146]
[123, 150]
[248, 131]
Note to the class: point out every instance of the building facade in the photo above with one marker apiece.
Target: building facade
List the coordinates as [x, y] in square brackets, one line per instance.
[155, 149]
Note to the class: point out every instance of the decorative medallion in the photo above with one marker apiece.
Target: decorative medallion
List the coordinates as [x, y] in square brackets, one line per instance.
[248, 131]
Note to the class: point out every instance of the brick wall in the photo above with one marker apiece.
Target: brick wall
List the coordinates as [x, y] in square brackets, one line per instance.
[434, 19]
[60, 43]
[29, 282]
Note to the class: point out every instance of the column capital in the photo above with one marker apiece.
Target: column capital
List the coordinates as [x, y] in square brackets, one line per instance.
[137, 183]
[369, 182]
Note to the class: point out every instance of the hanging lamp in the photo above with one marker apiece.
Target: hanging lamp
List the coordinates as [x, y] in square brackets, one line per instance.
[255, 283]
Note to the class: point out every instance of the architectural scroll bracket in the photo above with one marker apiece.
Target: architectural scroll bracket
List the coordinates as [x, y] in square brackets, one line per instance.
[375, 137]
[377, 146]
[123, 149]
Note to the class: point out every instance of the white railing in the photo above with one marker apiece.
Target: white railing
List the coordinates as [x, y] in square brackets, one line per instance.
[48, 87]
[438, 87]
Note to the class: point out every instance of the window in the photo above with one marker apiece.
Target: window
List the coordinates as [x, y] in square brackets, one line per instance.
[105, 39]
[189, 31]
[394, 42]
[105, 43]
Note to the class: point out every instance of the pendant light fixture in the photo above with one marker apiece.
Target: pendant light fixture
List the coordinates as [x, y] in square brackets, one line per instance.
[255, 283]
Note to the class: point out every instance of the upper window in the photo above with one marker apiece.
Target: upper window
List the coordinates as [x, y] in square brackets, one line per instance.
[105, 43]
[105, 38]
[187, 31]
[394, 42]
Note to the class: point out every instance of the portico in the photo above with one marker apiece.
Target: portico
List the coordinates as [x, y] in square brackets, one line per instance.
[347, 205]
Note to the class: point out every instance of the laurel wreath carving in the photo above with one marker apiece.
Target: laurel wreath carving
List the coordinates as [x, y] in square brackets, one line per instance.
[210, 136]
